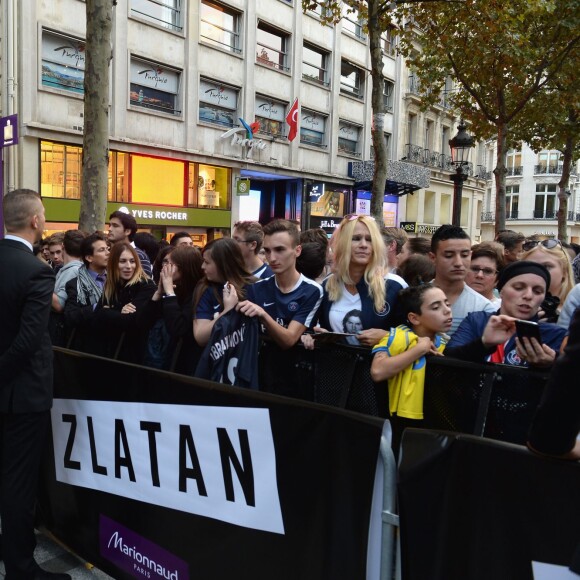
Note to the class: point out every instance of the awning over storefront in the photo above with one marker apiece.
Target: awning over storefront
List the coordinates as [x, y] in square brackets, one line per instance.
[402, 178]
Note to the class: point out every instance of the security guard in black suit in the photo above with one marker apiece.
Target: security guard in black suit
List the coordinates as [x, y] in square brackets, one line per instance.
[26, 287]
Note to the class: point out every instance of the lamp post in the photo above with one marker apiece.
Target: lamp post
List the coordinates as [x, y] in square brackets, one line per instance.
[460, 146]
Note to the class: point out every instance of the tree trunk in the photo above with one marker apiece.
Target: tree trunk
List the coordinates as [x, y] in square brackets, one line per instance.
[96, 115]
[563, 183]
[500, 173]
[378, 112]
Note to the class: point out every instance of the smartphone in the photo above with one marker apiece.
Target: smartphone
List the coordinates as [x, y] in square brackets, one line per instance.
[528, 329]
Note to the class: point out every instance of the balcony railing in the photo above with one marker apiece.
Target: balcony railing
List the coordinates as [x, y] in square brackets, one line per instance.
[483, 173]
[513, 171]
[550, 169]
[489, 216]
[540, 214]
[417, 154]
[414, 86]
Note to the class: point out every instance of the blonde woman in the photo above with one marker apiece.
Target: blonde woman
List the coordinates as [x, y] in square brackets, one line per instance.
[554, 258]
[358, 282]
[118, 314]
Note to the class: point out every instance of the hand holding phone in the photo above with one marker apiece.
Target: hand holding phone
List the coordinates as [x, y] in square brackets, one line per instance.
[528, 329]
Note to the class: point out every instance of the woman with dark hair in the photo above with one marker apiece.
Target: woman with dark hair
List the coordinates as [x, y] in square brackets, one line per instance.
[417, 269]
[119, 312]
[223, 285]
[171, 345]
[158, 264]
[413, 246]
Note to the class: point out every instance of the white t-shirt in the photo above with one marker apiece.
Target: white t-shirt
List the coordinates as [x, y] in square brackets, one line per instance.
[469, 301]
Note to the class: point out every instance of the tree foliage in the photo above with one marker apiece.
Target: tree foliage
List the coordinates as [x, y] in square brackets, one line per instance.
[500, 54]
[377, 16]
[554, 115]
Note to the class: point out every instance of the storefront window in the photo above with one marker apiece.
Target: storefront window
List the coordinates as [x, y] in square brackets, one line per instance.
[330, 203]
[60, 170]
[118, 189]
[209, 187]
[136, 178]
[157, 181]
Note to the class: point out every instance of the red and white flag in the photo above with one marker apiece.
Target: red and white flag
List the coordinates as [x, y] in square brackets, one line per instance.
[292, 120]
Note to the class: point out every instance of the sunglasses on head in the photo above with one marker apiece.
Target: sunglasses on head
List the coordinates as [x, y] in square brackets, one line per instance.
[548, 244]
[353, 216]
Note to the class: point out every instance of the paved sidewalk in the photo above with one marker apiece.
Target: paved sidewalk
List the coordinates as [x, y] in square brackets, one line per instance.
[53, 557]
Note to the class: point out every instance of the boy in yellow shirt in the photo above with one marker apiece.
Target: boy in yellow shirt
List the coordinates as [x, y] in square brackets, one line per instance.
[400, 356]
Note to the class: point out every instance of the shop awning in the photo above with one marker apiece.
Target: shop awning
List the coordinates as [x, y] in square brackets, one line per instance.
[402, 178]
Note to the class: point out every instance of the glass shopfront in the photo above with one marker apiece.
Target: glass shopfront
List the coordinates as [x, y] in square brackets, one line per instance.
[164, 195]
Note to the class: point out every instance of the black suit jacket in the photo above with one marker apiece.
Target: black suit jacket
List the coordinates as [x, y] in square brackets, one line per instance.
[26, 287]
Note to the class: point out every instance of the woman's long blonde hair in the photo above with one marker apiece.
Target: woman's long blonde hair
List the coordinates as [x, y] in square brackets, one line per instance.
[375, 270]
[561, 255]
[114, 283]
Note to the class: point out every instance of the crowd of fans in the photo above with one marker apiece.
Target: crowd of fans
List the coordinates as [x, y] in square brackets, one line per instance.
[168, 304]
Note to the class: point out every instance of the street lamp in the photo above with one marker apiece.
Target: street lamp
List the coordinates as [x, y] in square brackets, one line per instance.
[460, 146]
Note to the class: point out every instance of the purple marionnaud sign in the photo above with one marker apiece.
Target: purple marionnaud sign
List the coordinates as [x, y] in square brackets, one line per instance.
[8, 130]
[137, 555]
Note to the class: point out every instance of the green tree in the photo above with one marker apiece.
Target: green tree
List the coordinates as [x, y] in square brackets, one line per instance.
[500, 54]
[377, 16]
[96, 115]
[555, 124]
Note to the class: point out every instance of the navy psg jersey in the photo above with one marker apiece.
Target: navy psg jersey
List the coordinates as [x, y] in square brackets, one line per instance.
[231, 355]
[263, 272]
[300, 304]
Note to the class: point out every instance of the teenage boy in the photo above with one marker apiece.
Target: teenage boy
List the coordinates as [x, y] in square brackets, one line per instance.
[400, 356]
[122, 228]
[55, 243]
[84, 291]
[250, 237]
[71, 260]
[285, 304]
[451, 254]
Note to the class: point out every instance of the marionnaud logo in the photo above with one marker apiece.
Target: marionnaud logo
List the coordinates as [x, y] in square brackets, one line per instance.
[136, 555]
[248, 142]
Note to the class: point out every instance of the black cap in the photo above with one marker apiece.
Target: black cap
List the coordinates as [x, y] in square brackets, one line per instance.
[523, 267]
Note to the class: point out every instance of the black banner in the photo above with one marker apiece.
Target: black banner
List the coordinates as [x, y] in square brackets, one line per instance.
[475, 509]
[156, 475]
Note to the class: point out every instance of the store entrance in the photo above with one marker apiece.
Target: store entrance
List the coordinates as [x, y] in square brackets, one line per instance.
[279, 196]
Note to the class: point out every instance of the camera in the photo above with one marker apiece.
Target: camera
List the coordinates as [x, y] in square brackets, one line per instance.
[550, 307]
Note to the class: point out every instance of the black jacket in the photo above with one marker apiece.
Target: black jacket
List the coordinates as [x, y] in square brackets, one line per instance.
[26, 287]
[183, 352]
[123, 336]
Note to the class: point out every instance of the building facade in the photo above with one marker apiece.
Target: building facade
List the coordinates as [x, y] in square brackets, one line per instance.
[190, 81]
[531, 193]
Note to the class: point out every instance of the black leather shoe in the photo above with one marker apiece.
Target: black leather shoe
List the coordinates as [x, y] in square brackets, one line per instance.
[44, 575]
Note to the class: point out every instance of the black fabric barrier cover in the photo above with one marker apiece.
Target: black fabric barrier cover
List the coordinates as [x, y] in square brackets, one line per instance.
[476, 509]
[495, 401]
[325, 467]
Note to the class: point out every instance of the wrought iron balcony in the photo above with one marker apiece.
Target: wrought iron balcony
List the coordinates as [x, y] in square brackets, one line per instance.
[414, 86]
[414, 153]
[549, 169]
[446, 162]
[513, 171]
[537, 214]
[540, 214]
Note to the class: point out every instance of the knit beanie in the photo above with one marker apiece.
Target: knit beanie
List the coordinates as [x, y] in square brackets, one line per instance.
[523, 267]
